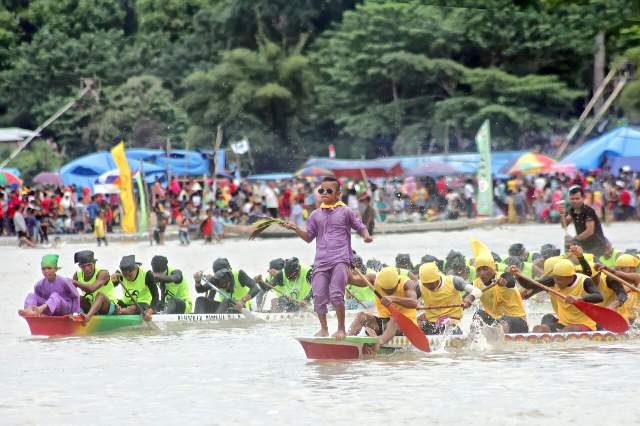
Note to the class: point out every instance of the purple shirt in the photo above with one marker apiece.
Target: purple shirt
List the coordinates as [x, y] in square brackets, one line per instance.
[331, 229]
[60, 296]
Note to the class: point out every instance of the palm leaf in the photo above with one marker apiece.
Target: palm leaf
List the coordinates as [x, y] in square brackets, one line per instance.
[261, 225]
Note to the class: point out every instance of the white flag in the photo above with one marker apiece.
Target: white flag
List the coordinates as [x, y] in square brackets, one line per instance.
[241, 147]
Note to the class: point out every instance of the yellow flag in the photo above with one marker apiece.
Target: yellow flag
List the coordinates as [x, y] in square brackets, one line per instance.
[126, 189]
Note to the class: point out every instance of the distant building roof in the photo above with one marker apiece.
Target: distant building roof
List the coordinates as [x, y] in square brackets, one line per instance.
[14, 134]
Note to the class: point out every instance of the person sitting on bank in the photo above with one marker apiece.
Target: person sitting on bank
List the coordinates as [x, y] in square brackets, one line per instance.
[174, 290]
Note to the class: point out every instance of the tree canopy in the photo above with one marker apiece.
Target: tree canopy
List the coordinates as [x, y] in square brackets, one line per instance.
[372, 77]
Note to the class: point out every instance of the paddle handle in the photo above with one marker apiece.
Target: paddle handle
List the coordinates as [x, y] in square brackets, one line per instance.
[357, 300]
[540, 285]
[425, 308]
[490, 286]
[129, 295]
[620, 280]
[366, 280]
[277, 290]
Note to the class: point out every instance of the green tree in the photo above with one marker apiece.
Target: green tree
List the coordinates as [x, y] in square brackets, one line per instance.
[263, 95]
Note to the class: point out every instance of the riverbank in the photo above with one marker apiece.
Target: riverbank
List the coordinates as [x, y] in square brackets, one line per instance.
[243, 231]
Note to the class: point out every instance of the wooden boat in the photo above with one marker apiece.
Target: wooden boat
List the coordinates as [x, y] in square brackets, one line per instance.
[74, 325]
[328, 348]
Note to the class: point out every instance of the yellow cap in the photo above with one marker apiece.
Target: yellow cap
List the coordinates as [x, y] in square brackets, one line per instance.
[387, 278]
[485, 259]
[549, 264]
[429, 273]
[564, 268]
[627, 261]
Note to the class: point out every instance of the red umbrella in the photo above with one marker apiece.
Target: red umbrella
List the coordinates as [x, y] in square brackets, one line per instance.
[314, 171]
[8, 178]
[48, 178]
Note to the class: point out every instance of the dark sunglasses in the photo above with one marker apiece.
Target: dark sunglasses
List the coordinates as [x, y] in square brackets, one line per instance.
[322, 191]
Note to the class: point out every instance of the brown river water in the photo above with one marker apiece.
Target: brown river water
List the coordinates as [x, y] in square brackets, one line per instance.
[228, 374]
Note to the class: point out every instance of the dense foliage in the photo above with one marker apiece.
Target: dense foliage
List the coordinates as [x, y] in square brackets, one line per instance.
[371, 77]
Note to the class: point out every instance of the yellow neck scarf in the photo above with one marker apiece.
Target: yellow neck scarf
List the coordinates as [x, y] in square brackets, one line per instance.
[332, 206]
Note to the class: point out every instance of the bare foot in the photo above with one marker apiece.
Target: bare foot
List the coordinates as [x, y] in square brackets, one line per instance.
[322, 333]
[26, 312]
[39, 310]
[147, 314]
[340, 335]
[86, 317]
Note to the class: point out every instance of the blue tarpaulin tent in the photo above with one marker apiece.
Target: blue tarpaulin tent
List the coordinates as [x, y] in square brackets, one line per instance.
[616, 163]
[85, 170]
[621, 142]
[270, 176]
[179, 162]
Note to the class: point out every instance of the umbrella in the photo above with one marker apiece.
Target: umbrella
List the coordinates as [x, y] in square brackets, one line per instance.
[530, 163]
[314, 171]
[8, 178]
[48, 178]
[434, 169]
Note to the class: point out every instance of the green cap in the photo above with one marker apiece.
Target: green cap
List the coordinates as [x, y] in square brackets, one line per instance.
[49, 261]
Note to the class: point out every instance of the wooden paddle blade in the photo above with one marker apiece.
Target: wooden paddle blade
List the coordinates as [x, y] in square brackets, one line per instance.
[607, 318]
[410, 330]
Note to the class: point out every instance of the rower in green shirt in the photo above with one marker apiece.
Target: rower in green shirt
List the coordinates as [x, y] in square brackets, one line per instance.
[99, 295]
[293, 284]
[174, 291]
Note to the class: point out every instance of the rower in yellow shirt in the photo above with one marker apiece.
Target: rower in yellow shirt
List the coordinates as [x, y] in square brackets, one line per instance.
[501, 304]
[394, 289]
[575, 286]
[437, 289]
[626, 267]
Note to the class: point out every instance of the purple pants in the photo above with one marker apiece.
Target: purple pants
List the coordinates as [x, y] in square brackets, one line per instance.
[56, 305]
[328, 286]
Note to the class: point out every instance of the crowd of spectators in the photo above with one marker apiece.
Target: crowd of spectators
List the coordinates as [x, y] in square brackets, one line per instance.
[194, 207]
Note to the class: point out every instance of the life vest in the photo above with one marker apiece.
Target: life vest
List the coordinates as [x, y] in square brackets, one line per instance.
[611, 260]
[527, 269]
[608, 295]
[137, 288]
[239, 291]
[383, 312]
[501, 301]
[404, 273]
[444, 294]
[178, 291]
[299, 288]
[107, 289]
[629, 309]
[569, 314]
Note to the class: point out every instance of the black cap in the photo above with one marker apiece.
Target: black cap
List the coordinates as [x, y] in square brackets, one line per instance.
[514, 261]
[277, 264]
[516, 249]
[292, 268]
[159, 264]
[222, 278]
[221, 263]
[84, 256]
[549, 250]
[374, 264]
[128, 263]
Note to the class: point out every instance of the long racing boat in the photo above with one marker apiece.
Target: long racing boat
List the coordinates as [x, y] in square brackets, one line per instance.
[353, 347]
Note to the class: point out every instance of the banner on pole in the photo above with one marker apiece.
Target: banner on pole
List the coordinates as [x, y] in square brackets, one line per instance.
[126, 189]
[241, 147]
[143, 200]
[484, 203]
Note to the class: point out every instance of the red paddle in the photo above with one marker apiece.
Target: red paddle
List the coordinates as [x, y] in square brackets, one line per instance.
[409, 328]
[607, 318]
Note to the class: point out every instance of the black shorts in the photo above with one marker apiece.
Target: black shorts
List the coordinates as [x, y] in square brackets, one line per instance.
[143, 306]
[382, 325]
[517, 325]
[430, 328]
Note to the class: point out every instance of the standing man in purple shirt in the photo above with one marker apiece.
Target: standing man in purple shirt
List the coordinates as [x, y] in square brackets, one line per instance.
[53, 295]
[331, 226]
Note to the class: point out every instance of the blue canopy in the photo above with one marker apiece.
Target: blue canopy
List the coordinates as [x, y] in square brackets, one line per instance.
[616, 163]
[270, 176]
[179, 161]
[85, 170]
[621, 142]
